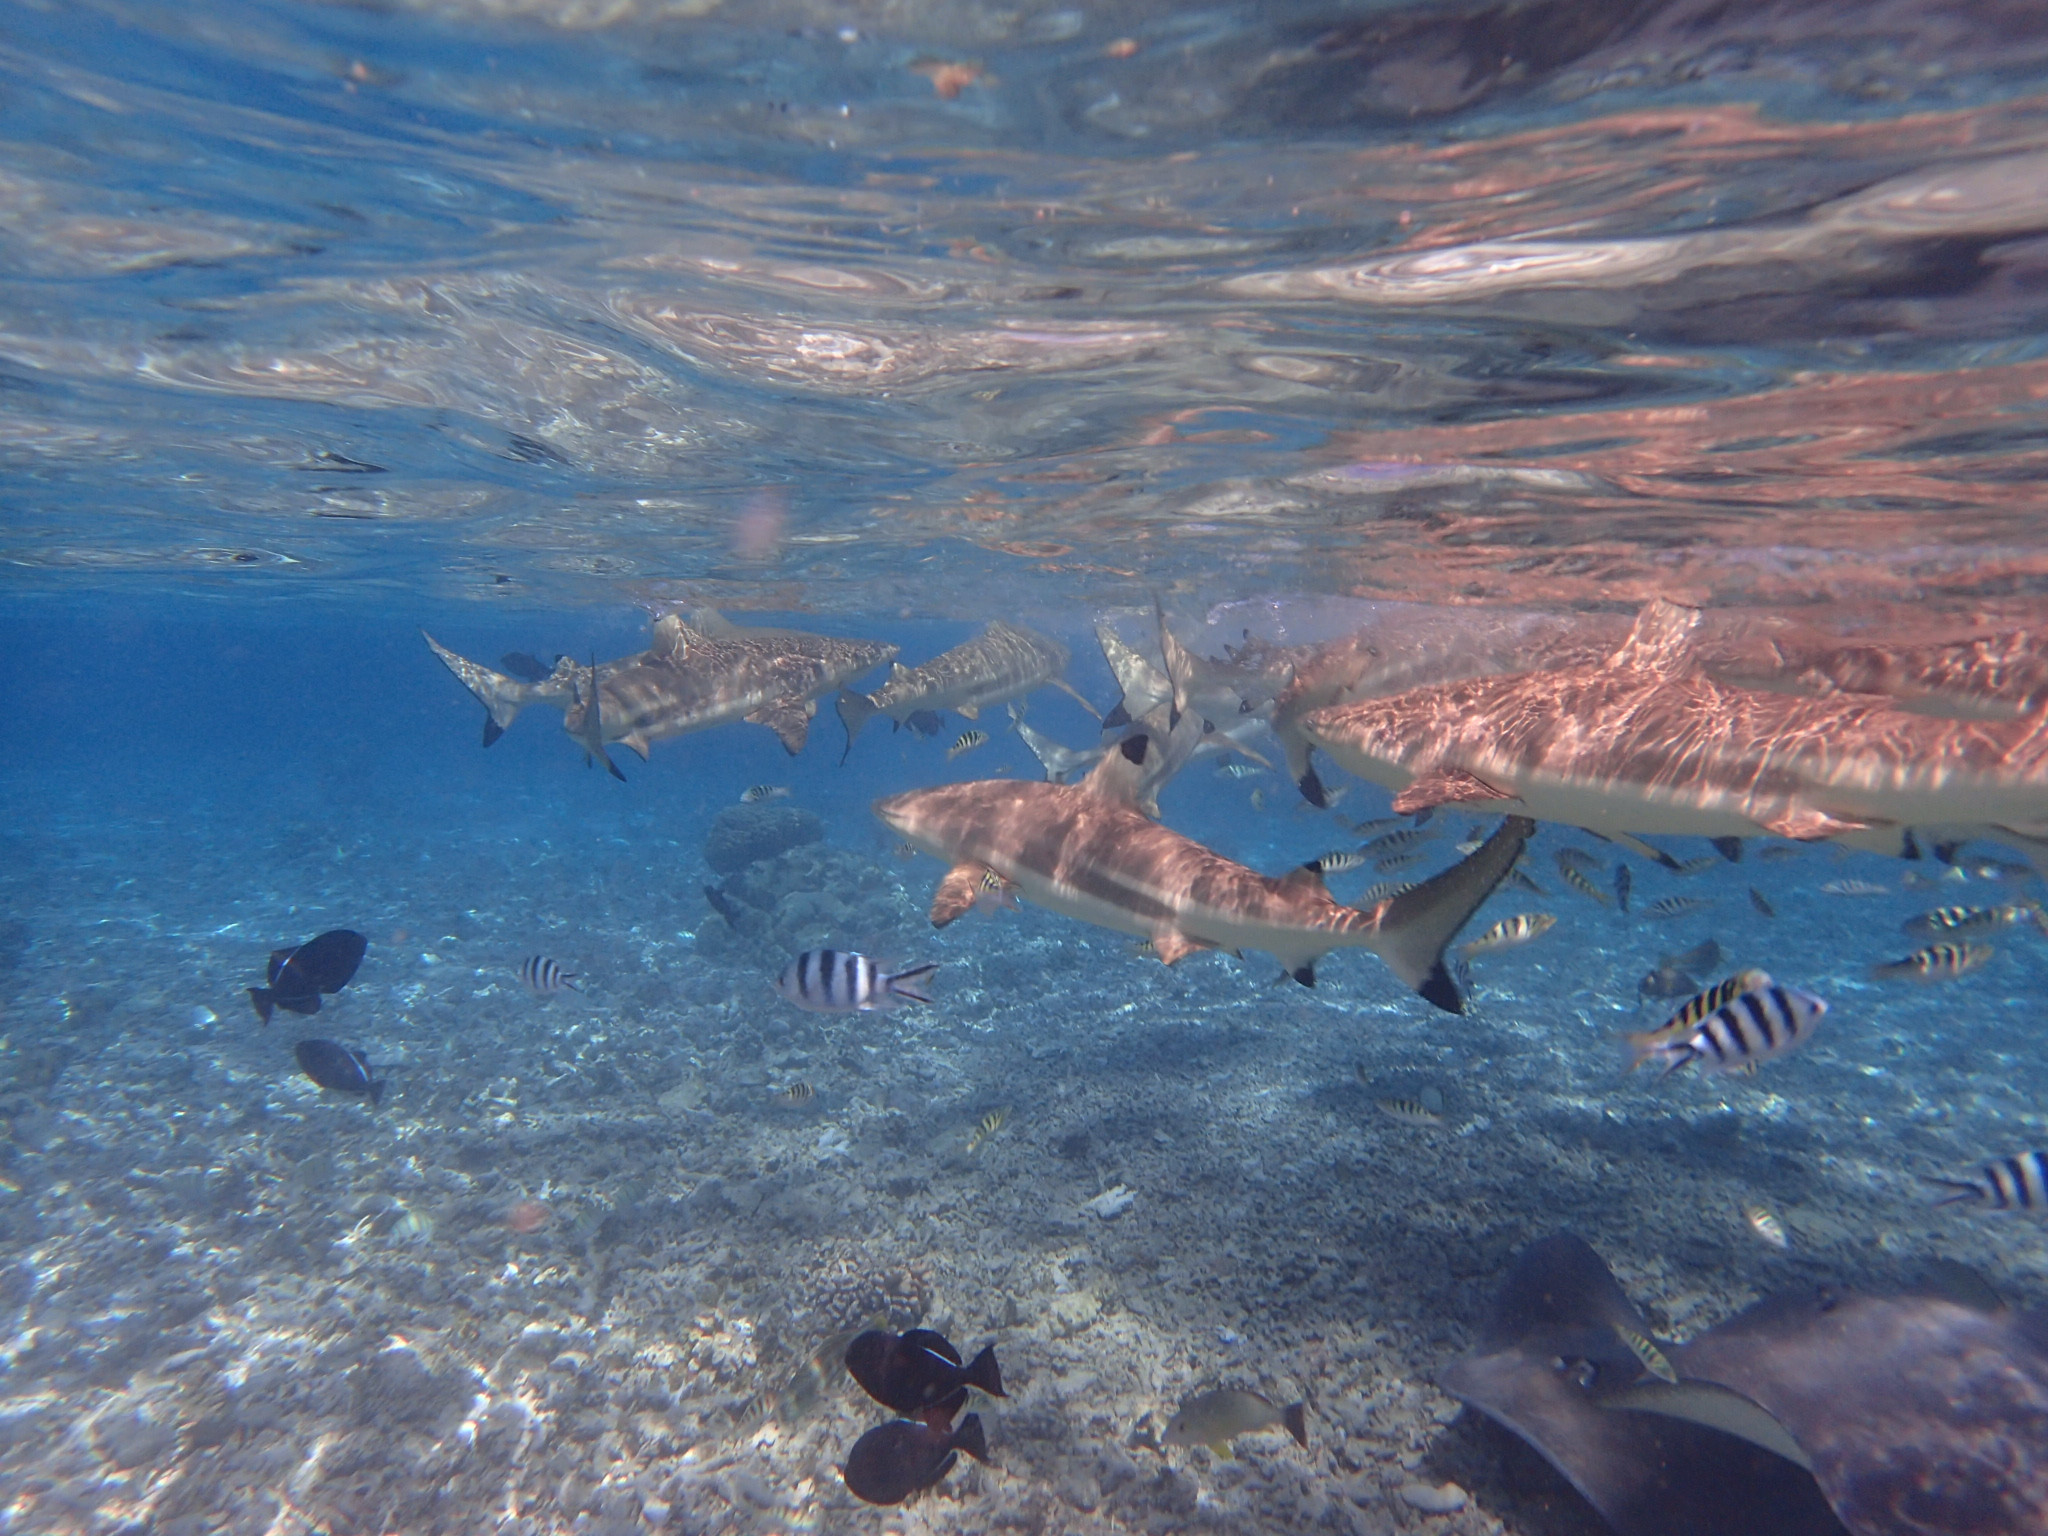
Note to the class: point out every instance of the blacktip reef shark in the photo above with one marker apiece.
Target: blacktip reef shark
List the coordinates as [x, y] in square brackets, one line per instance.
[1003, 662]
[1647, 742]
[696, 673]
[1087, 851]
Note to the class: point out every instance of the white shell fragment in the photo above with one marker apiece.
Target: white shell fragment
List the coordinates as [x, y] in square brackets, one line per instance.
[1446, 1500]
[1111, 1203]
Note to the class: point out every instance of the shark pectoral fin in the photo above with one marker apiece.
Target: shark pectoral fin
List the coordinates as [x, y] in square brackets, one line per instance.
[1415, 926]
[971, 711]
[957, 891]
[1220, 1449]
[503, 696]
[1807, 823]
[1073, 693]
[1445, 786]
[638, 742]
[1170, 944]
[791, 723]
[671, 640]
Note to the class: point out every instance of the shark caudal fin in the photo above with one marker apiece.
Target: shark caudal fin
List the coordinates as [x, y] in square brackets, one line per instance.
[503, 697]
[1416, 926]
[855, 711]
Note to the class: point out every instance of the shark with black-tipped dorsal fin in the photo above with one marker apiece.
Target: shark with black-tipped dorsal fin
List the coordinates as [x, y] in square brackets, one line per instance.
[696, 673]
[1087, 851]
[1003, 662]
[1648, 742]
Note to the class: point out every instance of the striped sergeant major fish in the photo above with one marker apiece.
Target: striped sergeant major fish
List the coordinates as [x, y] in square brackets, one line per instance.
[2008, 1184]
[1744, 1033]
[1508, 932]
[1937, 962]
[1647, 1043]
[1950, 922]
[545, 976]
[840, 981]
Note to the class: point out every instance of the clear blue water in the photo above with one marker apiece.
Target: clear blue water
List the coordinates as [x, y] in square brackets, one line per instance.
[518, 320]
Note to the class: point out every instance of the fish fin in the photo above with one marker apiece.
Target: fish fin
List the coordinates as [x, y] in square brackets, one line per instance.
[1117, 718]
[791, 723]
[898, 671]
[638, 742]
[1963, 1190]
[1445, 786]
[1305, 973]
[1311, 788]
[983, 1372]
[1220, 1449]
[1170, 944]
[1415, 926]
[265, 1001]
[903, 983]
[970, 711]
[1640, 1046]
[969, 1438]
[1730, 848]
[1295, 1417]
[722, 904]
[958, 889]
[1180, 666]
[671, 638]
[492, 730]
[712, 624]
[1662, 639]
[502, 696]
[1305, 878]
[1805, 824]
[1072, 692]
[855, 711]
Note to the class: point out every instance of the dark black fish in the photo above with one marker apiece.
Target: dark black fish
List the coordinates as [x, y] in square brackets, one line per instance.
[1756, 899]
[338, 1067]
[919, 1374]
[723, 905]
[524, 664]
[298, 976]
[1622, 881]
[893, 1461]
[1730, 848]
[926, 722]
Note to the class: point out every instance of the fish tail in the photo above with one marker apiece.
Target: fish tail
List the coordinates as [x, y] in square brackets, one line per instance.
[901, 984]
[855, 711]
[265, 1001]
[377, 1091]
[501, 696]
[969, 1438]
[1639, 1048]
[1415, 926]
[1961, 1190]
[983, 1372]
[1295, 1417]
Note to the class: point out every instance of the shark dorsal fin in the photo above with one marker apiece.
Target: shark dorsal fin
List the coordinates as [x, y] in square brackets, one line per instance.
[671, 637]
[1662, 640]
[712, 624]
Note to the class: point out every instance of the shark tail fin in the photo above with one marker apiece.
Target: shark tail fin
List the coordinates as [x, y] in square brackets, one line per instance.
[1416, 926]
[1295, 1417]
[1180, 666]
[503, 697]
[855, 711]
[265, 1001]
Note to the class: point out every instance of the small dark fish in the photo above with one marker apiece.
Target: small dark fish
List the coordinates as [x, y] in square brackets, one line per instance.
[1730, 848]
[544, 976]
[1756, 899]
[919, 1373]
[1666, 980]
[1216, 1418]
[1518, 877]
[1695, 866]
[1576, 878]
[338, 1067]
[757, 793]
[925, 722]
[1703, 956]
[1622, 881]
[1394, 863]
[723, 905]
[1775, 851]
[892, 1461]
[298, 976]
[1395, 842]
[1576, 858]
[1677, 906]
[797, 1093]
[525, 666]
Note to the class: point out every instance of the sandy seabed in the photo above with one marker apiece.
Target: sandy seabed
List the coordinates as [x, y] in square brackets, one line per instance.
[230, 1303]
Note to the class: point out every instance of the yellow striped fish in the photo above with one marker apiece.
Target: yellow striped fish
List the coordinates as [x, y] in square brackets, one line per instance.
[988, 1125]
[1508, 932]
[1763, 1221]
[1677, 906]
[1956, 921]
[1338, 860]
[1647, 1352]
[1578, 880]
[1646, 1043]
[797, 1093]
[966, 741]
[1937, 962]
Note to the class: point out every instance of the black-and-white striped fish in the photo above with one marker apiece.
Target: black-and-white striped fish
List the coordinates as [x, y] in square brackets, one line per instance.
[966, 741]
[1508, 932]
[1575, 877]
[840, 981]
[1684, 1023]
[1948, 922]
[545, 976]
[1383, 890]
[1746, 1031]
[1395, 842]
[760, 792]
[1337, 861]
[1677, 906]
[1622, 882]
[1937, 962]
[2009, 1184]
